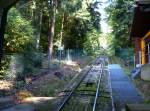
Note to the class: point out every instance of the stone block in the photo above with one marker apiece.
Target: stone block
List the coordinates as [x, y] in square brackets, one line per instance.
[145, 72]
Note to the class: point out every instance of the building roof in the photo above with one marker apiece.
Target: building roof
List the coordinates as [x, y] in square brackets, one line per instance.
[141, 20]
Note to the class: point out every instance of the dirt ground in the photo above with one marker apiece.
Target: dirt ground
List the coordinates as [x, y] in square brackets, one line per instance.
[43, 89]
[50, 84]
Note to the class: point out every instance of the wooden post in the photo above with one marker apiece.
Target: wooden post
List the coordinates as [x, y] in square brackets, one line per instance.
[4, 8]
[134, 61]
[143, 51]
[137, 49]
[3, 20]
[140, 58]
[1, 14]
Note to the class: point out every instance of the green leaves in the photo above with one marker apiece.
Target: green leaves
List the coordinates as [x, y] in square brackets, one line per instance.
[70, 6]
[120, 13]
[92, 44]
[18, 32]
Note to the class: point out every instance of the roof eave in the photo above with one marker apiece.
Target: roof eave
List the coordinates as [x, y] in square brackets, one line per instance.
[5, 4]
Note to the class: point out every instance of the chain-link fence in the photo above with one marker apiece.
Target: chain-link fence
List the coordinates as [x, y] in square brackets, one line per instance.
[69, 54]
[127, 55]
[28, 64]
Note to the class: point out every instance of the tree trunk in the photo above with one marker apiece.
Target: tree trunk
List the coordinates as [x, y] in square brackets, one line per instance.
[62, 29]
[3, 20]
[39, 24]
[51, 32]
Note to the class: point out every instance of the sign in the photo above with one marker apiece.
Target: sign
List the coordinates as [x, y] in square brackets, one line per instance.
[61, 48]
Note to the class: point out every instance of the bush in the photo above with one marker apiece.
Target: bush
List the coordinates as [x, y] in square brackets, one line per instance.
[38, 59]
[92, 45]
[30, 60]
[20, 66]
[4, 67]
[19, 84]
[20, 39]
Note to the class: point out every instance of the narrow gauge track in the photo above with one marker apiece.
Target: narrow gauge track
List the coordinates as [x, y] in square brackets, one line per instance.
[92, 92]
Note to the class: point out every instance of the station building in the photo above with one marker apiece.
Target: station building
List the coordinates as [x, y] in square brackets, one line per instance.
[140, 32]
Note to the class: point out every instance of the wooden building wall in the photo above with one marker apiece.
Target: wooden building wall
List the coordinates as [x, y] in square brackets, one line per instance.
[137, 42]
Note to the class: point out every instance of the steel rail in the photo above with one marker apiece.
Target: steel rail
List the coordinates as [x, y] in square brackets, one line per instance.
[71, 93]
[73, 90]
[110, 86]
[97, 91]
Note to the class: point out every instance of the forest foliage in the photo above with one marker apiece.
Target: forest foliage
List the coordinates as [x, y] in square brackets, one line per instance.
[120, 15]
[37, 27]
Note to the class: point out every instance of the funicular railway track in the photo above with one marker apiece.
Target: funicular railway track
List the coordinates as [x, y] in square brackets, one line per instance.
[92, 92]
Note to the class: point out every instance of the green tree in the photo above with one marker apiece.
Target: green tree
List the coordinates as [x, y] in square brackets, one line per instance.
[120, 13]
[53, 6]
[19, 31]
[81, 25]
[92, 44]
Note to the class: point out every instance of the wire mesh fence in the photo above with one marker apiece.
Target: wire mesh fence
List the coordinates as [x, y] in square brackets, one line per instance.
[29, 64]
[72, 54]
[127, 55]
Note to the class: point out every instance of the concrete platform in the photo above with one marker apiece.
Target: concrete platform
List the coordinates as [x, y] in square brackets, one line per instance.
[138, 107]
[124, 91]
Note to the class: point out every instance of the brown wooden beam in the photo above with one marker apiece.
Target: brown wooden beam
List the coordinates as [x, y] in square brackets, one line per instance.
[2, 29]
[6, 3]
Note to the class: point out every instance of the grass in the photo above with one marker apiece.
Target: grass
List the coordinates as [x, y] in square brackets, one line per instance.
[78, 104]
[78, 100]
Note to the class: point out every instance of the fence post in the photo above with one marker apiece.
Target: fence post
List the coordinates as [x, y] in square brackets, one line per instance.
[134, 61]
[140, 58]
